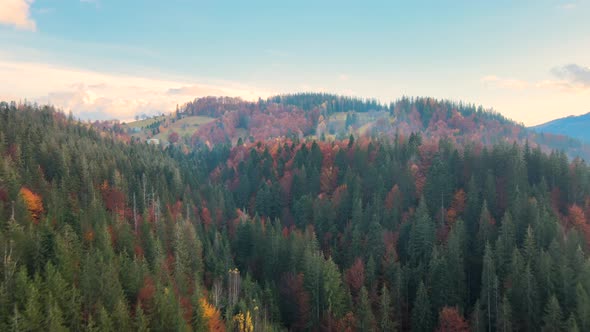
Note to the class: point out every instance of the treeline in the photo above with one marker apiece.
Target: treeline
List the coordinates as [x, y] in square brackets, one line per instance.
[410, 233]
[307, 114]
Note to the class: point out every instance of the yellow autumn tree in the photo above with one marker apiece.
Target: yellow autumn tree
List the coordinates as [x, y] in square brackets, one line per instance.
[244, 322]
[213, 316]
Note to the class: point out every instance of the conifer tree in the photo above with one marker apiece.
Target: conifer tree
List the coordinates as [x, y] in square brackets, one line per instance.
[552, 320]
[422, 320]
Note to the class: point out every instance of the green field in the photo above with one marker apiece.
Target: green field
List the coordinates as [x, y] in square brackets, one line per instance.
[186, 126]
[144, 122]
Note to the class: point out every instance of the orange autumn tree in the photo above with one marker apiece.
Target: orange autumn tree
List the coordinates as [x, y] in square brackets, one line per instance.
[213, 316]
[34, 203]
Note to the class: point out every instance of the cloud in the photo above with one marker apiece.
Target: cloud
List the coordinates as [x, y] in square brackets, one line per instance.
[95, 95]
[505, 83]
[96, 3]
[17, 13]
[568, 6]
[196, 90]
[576, 75]
[343, 77]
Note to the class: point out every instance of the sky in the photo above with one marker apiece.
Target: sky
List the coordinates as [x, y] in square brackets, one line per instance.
[104, 59]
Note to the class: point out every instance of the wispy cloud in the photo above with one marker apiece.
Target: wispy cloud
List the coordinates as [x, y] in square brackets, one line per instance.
[17, 13]
[571, 78]
[505, 83]
[568, 6]
[575, 74]
[95, 95]
[96, 3]
[343, 77]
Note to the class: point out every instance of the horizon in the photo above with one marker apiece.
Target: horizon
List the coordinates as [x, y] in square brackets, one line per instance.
[103, 59]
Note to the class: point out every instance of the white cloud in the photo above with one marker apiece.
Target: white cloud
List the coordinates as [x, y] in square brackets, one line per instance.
[568, 6]
[17, 13]
[576, 75]
[505, 83]
[95, 95]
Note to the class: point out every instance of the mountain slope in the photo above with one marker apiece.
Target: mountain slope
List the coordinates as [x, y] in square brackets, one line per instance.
[573, 126]
[362, 234]
[332, 117]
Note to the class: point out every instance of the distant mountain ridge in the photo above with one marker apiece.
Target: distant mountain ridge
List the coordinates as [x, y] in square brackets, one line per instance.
[220, 120]
[573, 126]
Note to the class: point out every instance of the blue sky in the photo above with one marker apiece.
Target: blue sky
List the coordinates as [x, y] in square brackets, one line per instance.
[529, 60]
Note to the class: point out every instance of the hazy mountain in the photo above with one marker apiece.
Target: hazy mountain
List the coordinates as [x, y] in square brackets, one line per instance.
[573, 126]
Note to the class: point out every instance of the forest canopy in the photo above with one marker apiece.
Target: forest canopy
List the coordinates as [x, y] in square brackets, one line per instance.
[361, 233]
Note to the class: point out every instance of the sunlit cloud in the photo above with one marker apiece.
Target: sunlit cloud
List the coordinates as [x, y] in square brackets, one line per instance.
[570, 78]
[95, 95]
[17, 13]
[505, 83]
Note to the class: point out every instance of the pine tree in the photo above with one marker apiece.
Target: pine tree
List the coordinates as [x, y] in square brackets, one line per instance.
[33, 316]
[504, 322]
[505, 245]
[477, 318]
[55, 319]
[422, 320]
[455, 258]
[120, 316]
[552, 321]
[386, 323]
[422, 236]
[489, 290]
[364, 315]
[572, 325]
[333, 289]
[141, 322]
[582, 307]
[104, 322]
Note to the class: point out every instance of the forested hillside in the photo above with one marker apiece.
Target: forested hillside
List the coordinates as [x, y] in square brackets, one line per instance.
[412, 231]
[327, 117]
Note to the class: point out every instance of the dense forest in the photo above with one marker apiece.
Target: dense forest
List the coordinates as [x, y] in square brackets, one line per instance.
[332, 117]
[409, 231]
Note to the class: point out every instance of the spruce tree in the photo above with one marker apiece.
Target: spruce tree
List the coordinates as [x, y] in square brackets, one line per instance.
[552, 320]
[422, 318]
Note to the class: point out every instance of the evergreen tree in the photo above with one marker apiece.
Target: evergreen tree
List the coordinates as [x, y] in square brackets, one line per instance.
[386, 308]
[422, 319]
[422, 236]
[552, 321]
[489, 289]
[366, 320]
[504, 322]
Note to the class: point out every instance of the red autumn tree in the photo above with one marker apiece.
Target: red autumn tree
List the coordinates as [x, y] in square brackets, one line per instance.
[328, 179]
[173, 137]
[206, 216]
[297, 302]
[450, 320]
[393, 197]
[457, 206]
[355, 276]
